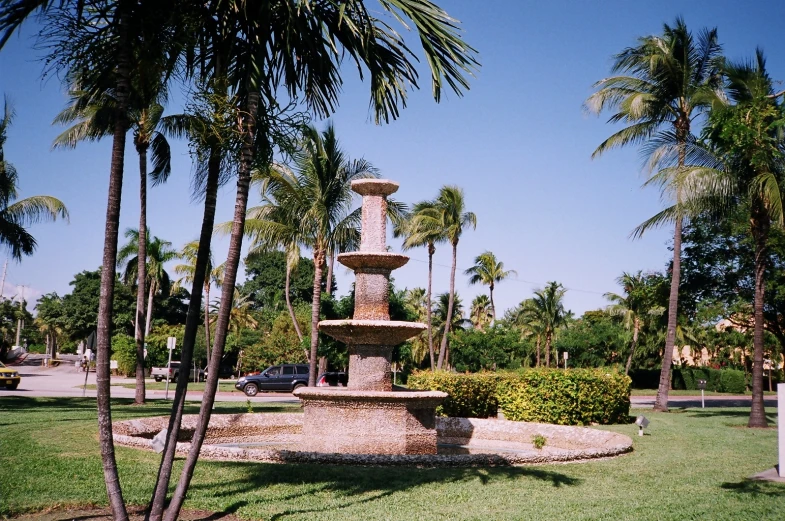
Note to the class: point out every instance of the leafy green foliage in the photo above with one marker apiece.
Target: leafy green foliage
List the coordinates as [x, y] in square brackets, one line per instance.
[468, 395]
[573, 397]
[539, 441]
[498, 347]
[265, 278]
[124, 351]
[686, 378]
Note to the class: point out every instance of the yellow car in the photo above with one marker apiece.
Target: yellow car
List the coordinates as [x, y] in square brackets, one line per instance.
[9, 377]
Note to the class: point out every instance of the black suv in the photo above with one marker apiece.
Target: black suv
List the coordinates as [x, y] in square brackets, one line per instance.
[286, 377]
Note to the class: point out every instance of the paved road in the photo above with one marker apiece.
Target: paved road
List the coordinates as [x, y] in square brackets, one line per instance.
[67, 380]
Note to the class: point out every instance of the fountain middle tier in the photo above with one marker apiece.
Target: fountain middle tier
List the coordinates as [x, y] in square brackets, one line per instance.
[371, 332]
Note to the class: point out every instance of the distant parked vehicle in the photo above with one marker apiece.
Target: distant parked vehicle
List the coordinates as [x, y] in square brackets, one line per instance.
[172, 372]
[332, 379]
[285, 377]
[9, 378]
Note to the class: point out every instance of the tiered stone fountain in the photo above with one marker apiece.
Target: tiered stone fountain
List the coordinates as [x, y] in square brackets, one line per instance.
[368, 422]
[368, 417]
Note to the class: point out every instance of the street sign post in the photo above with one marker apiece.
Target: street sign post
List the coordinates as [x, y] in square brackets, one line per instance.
[566, 356]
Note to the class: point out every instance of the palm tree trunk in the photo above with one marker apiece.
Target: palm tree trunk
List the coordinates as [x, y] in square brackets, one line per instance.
[431, 251]
[289, 303]
[207, 318]
[227, 296]
[318, 263]
[760, 231]
[539, 339]
[661, 402]
[330, 264]
[141, 277]
[548, 348]
[150, 297]
[493, 306]
[450, 304]
[109, 261]
[635, 328]
[158, 500]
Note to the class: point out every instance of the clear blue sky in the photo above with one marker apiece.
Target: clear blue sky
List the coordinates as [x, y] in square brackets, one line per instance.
[518, 143]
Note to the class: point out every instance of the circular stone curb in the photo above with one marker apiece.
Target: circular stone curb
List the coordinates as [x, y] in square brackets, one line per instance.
[501, 442]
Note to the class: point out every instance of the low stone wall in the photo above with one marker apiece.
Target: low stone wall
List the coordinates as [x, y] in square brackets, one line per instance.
[469, 441]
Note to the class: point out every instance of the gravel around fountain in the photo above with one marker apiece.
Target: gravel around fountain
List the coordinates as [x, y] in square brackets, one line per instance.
[275, 437]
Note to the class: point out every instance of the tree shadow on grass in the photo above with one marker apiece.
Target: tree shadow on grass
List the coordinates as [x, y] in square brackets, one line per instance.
[726, 413]
[755, 488]
[359, 485]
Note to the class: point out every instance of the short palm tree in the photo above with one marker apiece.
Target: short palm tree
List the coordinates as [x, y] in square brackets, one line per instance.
[528, 320]
[442, 310]
[632, 307]
[417, 303]
[241, 316]
[447, 216]
[547, 306]
[187, 270]
[482, 312]
[417, 232]
[159, 252]
[488, 270]
[17, 215]
[665, 82]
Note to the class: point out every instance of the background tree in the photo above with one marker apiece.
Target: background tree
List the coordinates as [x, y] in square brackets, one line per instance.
[487, 270]
[419, 231]
[547, 306]
[444, 325]
[18, 214]
[665, 82]
[481, 312]
[448, 215]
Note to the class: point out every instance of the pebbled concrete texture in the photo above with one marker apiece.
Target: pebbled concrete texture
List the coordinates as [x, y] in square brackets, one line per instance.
[277, 438]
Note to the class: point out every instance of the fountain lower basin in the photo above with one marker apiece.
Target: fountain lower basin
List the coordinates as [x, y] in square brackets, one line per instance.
[278, 437]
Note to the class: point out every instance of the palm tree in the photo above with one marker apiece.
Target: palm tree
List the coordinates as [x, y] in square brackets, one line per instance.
[548, 307]
[442, 310]
[631, 307]
[743, 169]
[241, 317]
[94, 119]
[417, 303]
[665, 82]
[488, 270]
[188, 270]
[17, 215]
[159, 252]
[526, 317]
[481, 312]
[447, 214]
[312, 206]
[417, 232]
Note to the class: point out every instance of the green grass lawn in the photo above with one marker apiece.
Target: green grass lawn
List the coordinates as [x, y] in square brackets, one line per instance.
[692, 464]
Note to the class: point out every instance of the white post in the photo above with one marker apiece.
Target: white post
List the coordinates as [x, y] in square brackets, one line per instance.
[170, 344]
[781, 426]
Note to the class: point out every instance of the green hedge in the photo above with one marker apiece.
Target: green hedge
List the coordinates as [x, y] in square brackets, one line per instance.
[468, 395]
[573, 397]
[686, 378]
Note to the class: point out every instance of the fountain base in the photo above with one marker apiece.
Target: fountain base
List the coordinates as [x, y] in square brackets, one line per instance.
[369, 422]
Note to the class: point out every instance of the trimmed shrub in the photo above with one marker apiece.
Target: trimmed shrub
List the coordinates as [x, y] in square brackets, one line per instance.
[573, 397]
[468, 395]
[686, 379]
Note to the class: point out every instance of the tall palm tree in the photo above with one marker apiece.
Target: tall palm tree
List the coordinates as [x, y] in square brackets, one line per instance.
[159, 252]
[488, 270]
[93, 119]
[665, 82]
[449, 215]
[631, 307]
[547, 306]
[187, 270]
[18, 214]
[312, 206]
[743, 168]
[418, 231]
[456, 322]
[417, 303]
[482, 312]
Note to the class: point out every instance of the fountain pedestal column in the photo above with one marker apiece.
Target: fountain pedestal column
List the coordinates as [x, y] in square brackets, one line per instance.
[368, 417]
